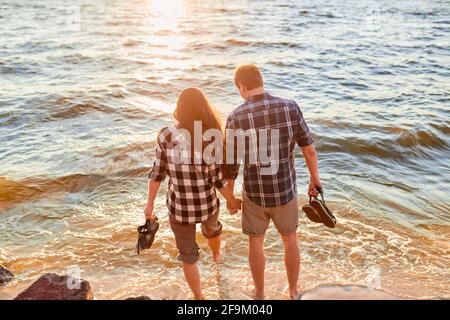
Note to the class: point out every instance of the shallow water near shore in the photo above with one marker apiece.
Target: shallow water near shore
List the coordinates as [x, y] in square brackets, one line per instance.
[81, 103]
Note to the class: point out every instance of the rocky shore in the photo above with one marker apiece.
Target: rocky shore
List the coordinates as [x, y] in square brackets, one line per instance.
[52, 286]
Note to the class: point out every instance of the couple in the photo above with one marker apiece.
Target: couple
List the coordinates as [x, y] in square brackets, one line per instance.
[191, 195]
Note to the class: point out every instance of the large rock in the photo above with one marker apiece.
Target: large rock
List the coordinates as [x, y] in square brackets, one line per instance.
[339, 292]
[5, 275]
[51, 286]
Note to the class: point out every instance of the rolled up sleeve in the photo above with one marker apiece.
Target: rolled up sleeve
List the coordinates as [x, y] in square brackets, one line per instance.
[304, 136]
[158, 172]
[231, 168]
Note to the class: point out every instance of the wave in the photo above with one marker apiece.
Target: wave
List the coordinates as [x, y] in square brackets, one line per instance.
[444, 128]
[265, 44]
[326, 15]
[132, 43]
[403, 147]
[227, 10]
[355, 85]
[14, 192]
[80, 109]
[386, 141]
[421, 138]
[420, 13]
[8, 119]
[119, 153]
[76, 58]
[236, 42]
[164, 32]
[68, 107]
[18, 69]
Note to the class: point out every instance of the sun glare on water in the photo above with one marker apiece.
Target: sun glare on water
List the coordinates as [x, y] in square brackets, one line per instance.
[164, 17]
[165, 14]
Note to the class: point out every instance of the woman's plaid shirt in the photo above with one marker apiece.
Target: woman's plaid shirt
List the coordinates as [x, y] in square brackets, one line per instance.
[191, 197]
[265, 111]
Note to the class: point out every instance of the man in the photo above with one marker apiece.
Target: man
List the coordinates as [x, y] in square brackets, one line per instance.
[273, 195]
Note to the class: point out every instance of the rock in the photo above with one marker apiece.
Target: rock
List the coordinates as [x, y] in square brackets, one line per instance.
[139, 298]
[5, 275]
[51, 286]
[339, 292]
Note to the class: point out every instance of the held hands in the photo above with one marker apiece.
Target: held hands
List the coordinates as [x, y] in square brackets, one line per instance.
[234, 205]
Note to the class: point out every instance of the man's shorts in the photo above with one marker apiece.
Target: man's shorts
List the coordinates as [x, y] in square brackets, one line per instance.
[185, 236]
[256, 219]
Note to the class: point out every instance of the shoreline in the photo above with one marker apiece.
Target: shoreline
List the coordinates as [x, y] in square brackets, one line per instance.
[51, 286]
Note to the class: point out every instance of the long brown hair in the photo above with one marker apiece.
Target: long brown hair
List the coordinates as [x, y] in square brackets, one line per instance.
[193, 105]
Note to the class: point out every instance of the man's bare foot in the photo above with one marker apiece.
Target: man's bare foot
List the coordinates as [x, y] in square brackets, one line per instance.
[259, 294]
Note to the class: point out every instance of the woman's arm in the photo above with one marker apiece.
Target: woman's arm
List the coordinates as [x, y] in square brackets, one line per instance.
[153, 187]
[233, 204]
[157, 174]
[218, 180]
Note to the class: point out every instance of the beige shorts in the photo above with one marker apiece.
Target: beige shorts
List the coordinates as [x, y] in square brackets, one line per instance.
[185, 236]
[256, 219]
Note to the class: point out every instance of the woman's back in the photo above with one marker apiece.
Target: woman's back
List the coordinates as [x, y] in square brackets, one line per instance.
[191, 196]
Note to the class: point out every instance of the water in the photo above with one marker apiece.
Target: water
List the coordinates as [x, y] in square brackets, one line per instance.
[85, 87]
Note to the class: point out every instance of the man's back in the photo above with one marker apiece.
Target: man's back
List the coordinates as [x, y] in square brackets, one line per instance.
[265, 111]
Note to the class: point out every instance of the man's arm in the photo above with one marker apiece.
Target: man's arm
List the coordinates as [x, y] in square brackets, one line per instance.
[233, 204]
[310, 155]
[231, 168]
[231, 183]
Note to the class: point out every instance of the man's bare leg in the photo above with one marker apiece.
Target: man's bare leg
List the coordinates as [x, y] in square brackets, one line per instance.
[257, 263]
[192, 276]
[214, 245]
[292, 262]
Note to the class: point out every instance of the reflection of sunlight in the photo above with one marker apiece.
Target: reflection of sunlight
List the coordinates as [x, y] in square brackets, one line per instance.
[163, 27]
[172, 42]
[165, 14]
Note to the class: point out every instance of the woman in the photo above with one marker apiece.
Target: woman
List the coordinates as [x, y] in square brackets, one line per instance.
[191, 196]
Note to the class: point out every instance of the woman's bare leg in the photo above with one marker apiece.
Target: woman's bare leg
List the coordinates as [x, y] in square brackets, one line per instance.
[214, 244]
[192, 276]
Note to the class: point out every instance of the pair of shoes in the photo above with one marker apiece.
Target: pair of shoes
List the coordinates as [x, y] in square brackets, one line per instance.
[146, 234]
[318, 212]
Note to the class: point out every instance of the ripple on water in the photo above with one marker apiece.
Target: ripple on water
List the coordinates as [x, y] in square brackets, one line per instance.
[79, 110]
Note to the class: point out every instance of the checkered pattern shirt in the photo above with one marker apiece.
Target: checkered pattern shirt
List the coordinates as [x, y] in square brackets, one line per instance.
[265, 111]
[191, 197]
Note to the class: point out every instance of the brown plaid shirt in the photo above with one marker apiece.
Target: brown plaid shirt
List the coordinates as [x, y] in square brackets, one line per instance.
[268, 112]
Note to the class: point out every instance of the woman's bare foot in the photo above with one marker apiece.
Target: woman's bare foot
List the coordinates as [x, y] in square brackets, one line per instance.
[199, 297]
[216, 257]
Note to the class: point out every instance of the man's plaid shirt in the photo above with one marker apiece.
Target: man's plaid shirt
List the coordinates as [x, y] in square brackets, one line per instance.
[191, 197]
[268, 112]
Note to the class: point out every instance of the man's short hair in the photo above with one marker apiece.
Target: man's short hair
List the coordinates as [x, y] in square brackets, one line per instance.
[249, 76]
